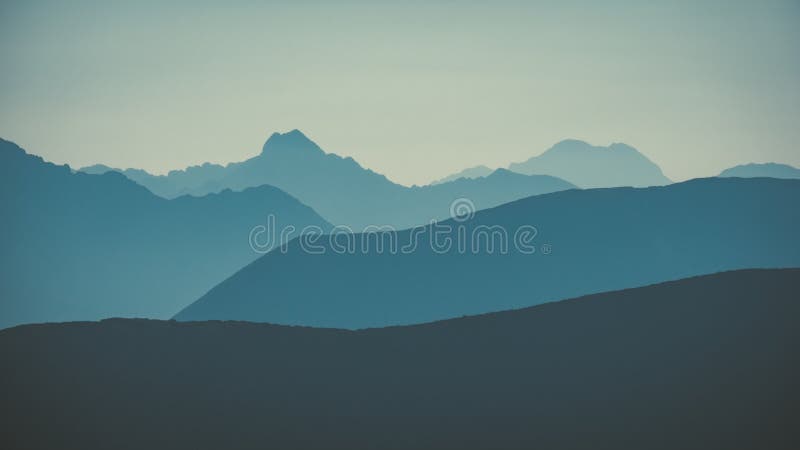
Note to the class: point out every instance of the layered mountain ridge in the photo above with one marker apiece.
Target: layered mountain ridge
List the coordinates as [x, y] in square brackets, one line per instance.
[80, 246]
[344, 192]
[582, 242]
[666, 366]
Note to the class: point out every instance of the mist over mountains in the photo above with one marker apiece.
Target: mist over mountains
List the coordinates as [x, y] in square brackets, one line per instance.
[504, 225]
[590, 166]
[633, 361]
[339, 188]
[141, 255]
[80, 247]
[770, 170]
[586, 241]
[347, 194]
[194, 179]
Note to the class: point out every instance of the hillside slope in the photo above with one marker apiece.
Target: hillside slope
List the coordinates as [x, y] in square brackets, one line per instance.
[586, 241]
[701, 363]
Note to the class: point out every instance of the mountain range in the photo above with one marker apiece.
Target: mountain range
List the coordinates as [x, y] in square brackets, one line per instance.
[79, 246]
[347, 194]
[192, 180]
[123, 235]
[477, 347]
[584, 241]
[471, 172]
[700, 363]
[771, 170]
[339, 188]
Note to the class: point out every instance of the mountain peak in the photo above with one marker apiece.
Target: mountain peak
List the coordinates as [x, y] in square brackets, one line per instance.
[577, 145]
[770, 170]
[501, 172]
[590, 166]
[294, 140]
[570, 145]
[96, 169]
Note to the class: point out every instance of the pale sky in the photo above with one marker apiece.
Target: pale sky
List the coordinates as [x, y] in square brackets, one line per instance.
[413, 90]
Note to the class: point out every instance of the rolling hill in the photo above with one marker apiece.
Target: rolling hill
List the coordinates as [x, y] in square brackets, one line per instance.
[585, 241]
[700, 363]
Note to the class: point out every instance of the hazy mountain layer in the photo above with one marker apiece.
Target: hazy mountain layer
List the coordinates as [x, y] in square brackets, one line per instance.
[771, 170]
[590, 166]
[194, 179]
[586, 241]
[78, 246]
[341, 190]
[472, 172]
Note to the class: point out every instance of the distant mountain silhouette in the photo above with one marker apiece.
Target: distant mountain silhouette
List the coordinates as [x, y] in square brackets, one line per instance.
[78, 246]
[590, 166]
[771, 170]
[472, 172]
[340, 189]
[192, 180]
[599, 240]
[700, 363]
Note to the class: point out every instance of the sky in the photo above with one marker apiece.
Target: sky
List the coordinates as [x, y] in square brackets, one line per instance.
[414, 90]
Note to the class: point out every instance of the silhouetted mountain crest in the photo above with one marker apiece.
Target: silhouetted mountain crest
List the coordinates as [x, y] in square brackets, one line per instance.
[500, 172]
[24, 173]
[197, 170]
[81, 246]
[96, 169]
[571, 145]
[339, 188]
[293, 141]
[590, 166]
[770, 170]
[11, 153]
[471, 172]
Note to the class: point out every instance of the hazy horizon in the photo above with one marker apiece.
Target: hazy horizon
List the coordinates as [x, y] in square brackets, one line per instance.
[435, 89]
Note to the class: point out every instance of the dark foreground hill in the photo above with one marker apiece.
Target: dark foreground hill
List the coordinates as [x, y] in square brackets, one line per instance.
[702, 363]
[598, 240]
